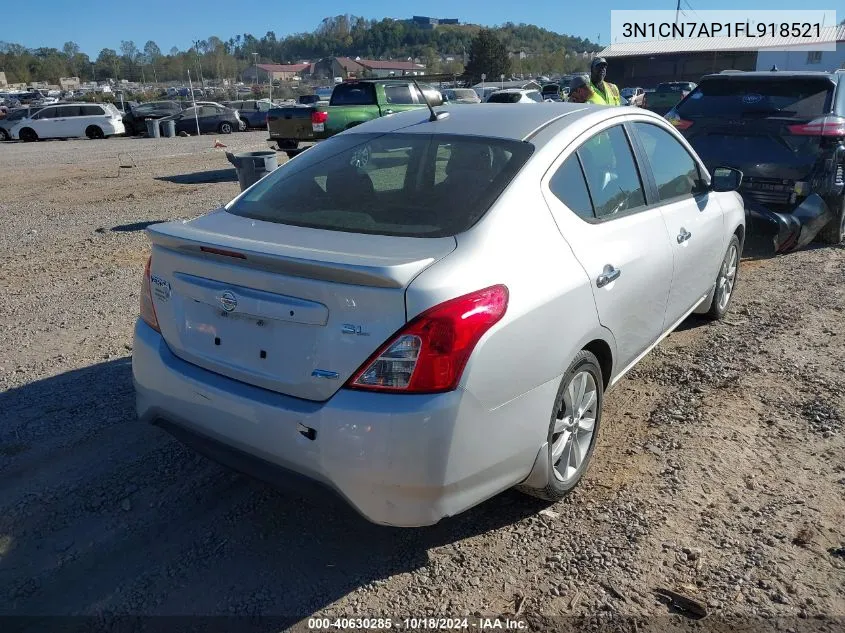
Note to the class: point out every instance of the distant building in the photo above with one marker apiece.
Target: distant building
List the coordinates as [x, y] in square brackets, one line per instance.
[3, 82]
[651, 62]
[70, 83]
[265, 73]
[357, 68]
[426, 22]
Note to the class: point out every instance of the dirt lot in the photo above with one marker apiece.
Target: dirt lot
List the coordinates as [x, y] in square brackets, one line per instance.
[720, 472]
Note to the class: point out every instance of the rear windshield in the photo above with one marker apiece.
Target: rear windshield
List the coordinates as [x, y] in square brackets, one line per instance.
[792, 98]
[465, 93]
[354, 94]
[388, 184]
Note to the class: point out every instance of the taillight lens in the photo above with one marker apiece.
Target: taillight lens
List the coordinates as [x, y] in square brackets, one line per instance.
[319, 117]
[824, 126]
[429, 354]
[148, 310]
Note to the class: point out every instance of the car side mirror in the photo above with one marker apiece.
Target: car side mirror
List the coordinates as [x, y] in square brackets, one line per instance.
[726, 179]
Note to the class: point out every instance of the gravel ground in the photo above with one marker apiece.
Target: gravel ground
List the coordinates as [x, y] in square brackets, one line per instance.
[720, 473]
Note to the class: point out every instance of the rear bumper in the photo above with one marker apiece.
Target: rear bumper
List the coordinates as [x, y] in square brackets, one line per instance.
[398, 460]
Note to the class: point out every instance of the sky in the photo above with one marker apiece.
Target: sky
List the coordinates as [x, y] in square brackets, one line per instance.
[98, 24]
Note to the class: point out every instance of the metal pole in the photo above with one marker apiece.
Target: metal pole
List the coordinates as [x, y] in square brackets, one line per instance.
[194, 101]
[255, 60]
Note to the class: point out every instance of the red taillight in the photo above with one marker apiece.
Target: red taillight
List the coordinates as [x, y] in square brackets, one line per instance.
[429, 354]
[319, 117]
[148, 310]
[824, 126]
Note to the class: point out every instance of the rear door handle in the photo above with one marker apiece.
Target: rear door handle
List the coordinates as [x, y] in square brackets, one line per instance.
[683, 236]
[608, 274]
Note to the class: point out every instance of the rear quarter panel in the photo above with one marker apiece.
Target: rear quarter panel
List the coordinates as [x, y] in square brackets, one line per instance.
[551, 313]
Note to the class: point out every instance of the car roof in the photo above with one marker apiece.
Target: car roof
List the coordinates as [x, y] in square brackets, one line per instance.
[519, 121]
[772, 74]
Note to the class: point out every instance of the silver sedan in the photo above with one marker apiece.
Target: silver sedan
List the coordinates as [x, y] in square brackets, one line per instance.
[419, 314]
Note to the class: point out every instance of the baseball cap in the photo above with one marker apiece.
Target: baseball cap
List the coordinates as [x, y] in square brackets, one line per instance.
[578, 81]
[598, 61]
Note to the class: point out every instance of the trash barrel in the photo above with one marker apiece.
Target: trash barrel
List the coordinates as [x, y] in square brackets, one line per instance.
[253, 166]
[168, 128]
[152, 128]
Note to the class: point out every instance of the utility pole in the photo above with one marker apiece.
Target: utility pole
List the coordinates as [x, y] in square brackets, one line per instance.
[255, 60]
[677, 11]
[199, 62]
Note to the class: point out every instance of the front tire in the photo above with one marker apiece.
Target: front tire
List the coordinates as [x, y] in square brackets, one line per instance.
[28, 135]
[4, 135]
[225, 128]
[574, 427]
[725, 282]
[834, 231]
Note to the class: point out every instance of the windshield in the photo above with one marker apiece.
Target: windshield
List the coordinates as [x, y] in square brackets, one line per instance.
[796, 97]
[391, 184]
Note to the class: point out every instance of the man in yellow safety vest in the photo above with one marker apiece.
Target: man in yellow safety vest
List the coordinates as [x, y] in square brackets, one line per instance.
[603, 92]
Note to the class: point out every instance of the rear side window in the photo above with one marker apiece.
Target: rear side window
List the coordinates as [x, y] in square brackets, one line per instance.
[798, 98]
[534, 96]
[570, 188]
[398, 94]
[91, 110]
[354, 94]
[393, 184]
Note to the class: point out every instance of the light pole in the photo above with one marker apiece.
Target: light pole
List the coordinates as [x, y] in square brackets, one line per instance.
[255, 61]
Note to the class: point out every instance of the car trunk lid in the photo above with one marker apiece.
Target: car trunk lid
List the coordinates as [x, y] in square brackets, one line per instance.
[291, 309]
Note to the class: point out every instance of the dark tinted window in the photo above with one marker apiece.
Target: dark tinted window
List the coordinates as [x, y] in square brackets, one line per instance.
[47, 113]
[400, 94]
[91, 110]
[570, 188]
[69, 111]
[534, 96]
[391, 184]
[675, 171]
[354, 94]
[611, 173]
[504, 97]
[803, 98]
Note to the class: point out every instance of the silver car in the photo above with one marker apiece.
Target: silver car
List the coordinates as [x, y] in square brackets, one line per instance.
[421, 314]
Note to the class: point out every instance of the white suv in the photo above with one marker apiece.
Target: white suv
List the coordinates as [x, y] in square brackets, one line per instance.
[68, 120]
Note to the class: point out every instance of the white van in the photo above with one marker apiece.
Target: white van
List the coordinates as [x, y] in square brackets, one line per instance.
[69, 120]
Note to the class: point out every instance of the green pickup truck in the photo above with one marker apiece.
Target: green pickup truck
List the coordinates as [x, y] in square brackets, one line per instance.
[667, 95]
[351, 103]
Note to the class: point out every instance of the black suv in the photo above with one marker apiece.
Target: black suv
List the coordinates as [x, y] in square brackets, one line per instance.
[785, 130]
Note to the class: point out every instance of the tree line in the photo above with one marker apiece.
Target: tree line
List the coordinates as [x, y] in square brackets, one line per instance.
[343, 35]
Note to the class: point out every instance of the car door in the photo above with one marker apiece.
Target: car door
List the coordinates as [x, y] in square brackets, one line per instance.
[45, 123]
[398, 98]
[70, 122]
[597, 197]
[692, 214]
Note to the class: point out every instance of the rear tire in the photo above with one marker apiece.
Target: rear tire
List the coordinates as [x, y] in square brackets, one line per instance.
[28, 135]
[725, 282]
[834, 231]
[4, 135]
[94, 132]
[574, 427]
[130, 130]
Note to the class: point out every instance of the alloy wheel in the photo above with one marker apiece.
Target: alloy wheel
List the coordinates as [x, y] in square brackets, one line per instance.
[575, 426]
